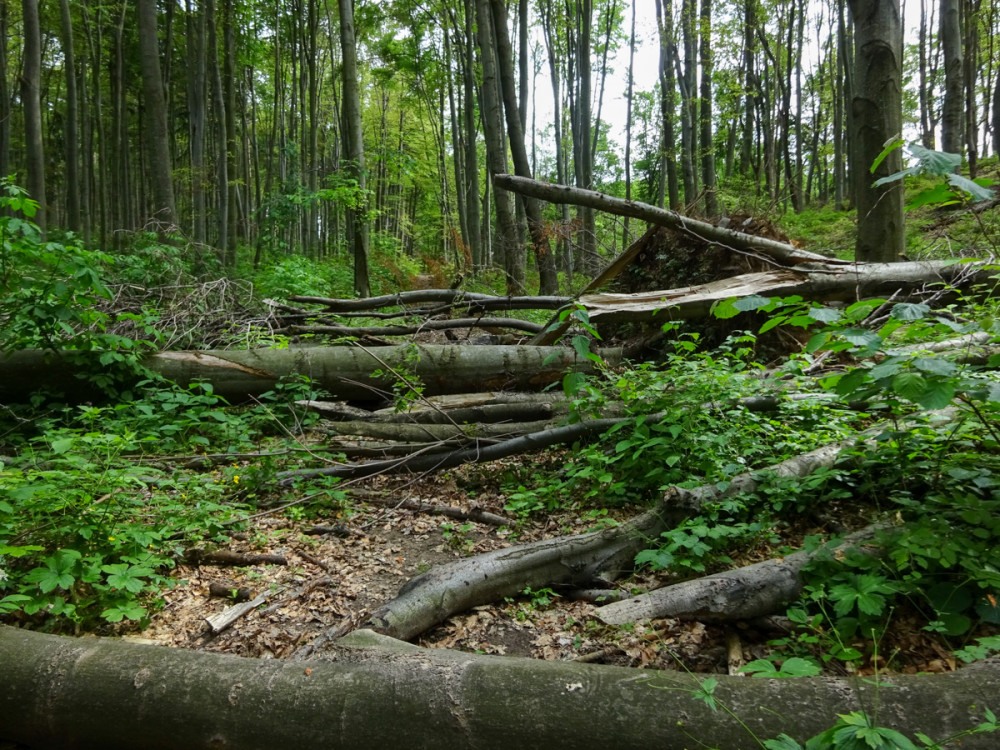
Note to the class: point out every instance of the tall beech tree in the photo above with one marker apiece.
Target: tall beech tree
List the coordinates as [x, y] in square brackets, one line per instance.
[877, 109]
[31, 84]
[156, 138]
[354, 147]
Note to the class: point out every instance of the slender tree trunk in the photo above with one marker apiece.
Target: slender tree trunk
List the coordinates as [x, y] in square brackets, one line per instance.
[584, 24]
[31, 84]
[229, 147]
[952, 133]
[555, 77]
[507, 236]
[971, 61]
[628, 128]
[157, 139]
[222, 206]
[750, 84]
[354, 148]
[689, 105]
[545, 260]
[471, 184]
[708, 177]
[197, 94]
[925, 88]
[878, 117]
[4, 93]
[71, 135]
[670, 189]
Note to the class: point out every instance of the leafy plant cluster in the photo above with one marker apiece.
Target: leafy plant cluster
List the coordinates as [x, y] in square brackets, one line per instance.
[89, 528]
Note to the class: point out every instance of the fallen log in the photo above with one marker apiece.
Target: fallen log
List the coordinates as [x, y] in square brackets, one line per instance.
[369, 692]
[407, 330]
[740, 594]
[481, 451]
[581, 560]
[415, 433]
[778, 251]
[347, 372]
[452, 297]
[819, 283]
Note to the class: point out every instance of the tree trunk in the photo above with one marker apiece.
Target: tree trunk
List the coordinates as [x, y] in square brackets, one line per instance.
[877, 118]
[346, 372]
[548, 282]
[951, 110]
[496, 152]
[156, 137]
[368, 691]
[222, 207]
[708, 177]
[31, 84]
[354, 146]
[72, 117]
[689, 105]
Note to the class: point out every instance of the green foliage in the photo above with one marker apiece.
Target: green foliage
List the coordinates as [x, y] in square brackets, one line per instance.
[937, 164]
[50, 298]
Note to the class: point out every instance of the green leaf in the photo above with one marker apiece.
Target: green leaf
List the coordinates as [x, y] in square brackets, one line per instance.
[938, 163]
[783, 742]
[896, 176]
[893, 144]
[825, 314]
[816, 342]
[909, 385]
[751, 303]
[725, 309]
[935, 366]
[573, 382]
[937, 395]
[866, 341]
[939, 195]
[910, 311]
[977, 192]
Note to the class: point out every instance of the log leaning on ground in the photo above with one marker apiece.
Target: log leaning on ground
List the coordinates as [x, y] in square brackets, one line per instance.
[371, 692]
[779, 251]
[345, 371]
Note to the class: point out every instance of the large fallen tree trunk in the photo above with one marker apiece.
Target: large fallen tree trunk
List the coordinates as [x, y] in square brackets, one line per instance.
[371, 692]
[347, 372]
[828, 284]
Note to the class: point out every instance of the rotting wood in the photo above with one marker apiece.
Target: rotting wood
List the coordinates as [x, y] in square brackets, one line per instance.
[406, 330]
[225, 557]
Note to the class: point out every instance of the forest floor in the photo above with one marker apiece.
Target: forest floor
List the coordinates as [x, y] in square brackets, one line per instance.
[334, 580]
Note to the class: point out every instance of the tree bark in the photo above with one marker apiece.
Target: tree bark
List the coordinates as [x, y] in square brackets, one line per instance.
[877, 119]
[59, 692]
[548, 282]
[346, 372]
[72, 118]
[708, 176]
[354, 146]
[31, 84]
[496, 152]
[156, 136]
[953, 105]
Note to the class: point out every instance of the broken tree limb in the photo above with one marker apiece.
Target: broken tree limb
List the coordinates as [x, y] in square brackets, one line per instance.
[740, 594]
[347, 372]
[829, 283]
[577, 560]
[370, 693]
[779, 251]
[415, 433]
[529, 443]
